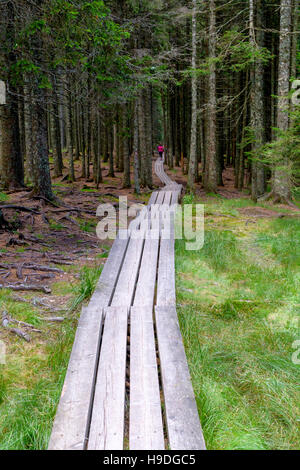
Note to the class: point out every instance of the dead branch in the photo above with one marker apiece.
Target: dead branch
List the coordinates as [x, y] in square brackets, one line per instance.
[37, 267]
[53, 319]
[19, 208]
[69, 219]
[26, 287]
[37, 303]
[75, 209]
[16, 331]
[40, 277]
[34, 267]
[19, 271]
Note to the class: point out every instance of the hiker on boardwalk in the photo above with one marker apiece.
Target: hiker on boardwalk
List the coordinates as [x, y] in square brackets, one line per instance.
[161, 150]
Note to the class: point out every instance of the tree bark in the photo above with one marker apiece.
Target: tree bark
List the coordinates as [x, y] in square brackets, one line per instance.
[257, 101]
[193, 144]
[281, 181]
[211, 174]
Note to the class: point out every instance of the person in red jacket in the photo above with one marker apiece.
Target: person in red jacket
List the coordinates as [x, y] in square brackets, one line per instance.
[161, 150]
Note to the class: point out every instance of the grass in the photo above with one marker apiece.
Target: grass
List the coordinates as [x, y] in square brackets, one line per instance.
[32, 378]
[4, 197]
[88, 226]
[83, 291]
[238, 304]
[53, 225]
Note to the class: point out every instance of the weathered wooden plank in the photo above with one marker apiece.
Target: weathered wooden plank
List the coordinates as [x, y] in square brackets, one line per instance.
[160, 198]
[109, 276]
[70, 425]
[175, 197]
[183, 424]
[138, 223]
[125, 287]
[153, 198]
[71, 421]
[146, 427]
[145, 289]
[168, 198]
[166, 294]
[107, 423]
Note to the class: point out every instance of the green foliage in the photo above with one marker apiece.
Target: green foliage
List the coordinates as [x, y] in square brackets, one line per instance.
[83, 291]
[237, 53]
[71, 34]
[284, 152]
[4, 197]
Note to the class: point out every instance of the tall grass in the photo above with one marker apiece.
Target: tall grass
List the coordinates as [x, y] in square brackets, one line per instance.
[30, 387]
[32, 378]
[238, 303]
[83, 291]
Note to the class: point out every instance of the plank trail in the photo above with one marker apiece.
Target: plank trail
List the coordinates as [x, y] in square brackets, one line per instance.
[137, 280]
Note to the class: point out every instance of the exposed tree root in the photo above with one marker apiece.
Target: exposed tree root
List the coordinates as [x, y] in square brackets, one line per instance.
[277, 199]
[26, 287]
[5, 323]
[19, 208]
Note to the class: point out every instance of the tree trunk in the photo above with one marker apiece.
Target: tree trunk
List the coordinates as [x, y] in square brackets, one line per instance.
[11, 157]
[193, 147]
[142, 140]
[126, 176]
[211, 174]
[257, 101]
[281, 181]
[137, 188]
[42, 179]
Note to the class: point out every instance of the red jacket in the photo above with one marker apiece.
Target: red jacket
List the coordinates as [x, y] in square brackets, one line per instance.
[160, 148]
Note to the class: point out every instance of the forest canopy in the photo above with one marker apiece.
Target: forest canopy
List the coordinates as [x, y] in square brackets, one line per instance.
[108, 81]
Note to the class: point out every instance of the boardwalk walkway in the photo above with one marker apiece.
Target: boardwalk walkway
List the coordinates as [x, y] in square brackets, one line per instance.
[129, 334]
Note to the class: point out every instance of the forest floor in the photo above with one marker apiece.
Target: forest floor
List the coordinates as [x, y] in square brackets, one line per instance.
[236, 284]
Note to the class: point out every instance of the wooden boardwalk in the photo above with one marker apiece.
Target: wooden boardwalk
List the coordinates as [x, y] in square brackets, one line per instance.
[130, 333]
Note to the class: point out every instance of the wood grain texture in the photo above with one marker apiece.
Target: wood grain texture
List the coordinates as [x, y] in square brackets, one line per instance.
[69, 429]
[166, 293]
[125, 287]
[183, 424]
[107, 424]
[160, 198]
[145, 288]
[153, 198]
[168, 198]
[72, 417]
[146, 428]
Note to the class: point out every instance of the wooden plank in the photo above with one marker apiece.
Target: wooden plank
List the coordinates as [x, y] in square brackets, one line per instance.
[183, 424]
[70, 425]
[71, 421]
[160, 198]
[146, 427]
[175, 197]
[125, 287]
[110, 273]
[107, 423]
[136, 224]
[153, 198]
[168, 198]
[145, 289]
[166, 294]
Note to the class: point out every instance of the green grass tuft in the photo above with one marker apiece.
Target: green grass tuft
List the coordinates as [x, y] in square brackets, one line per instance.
[84, 290]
